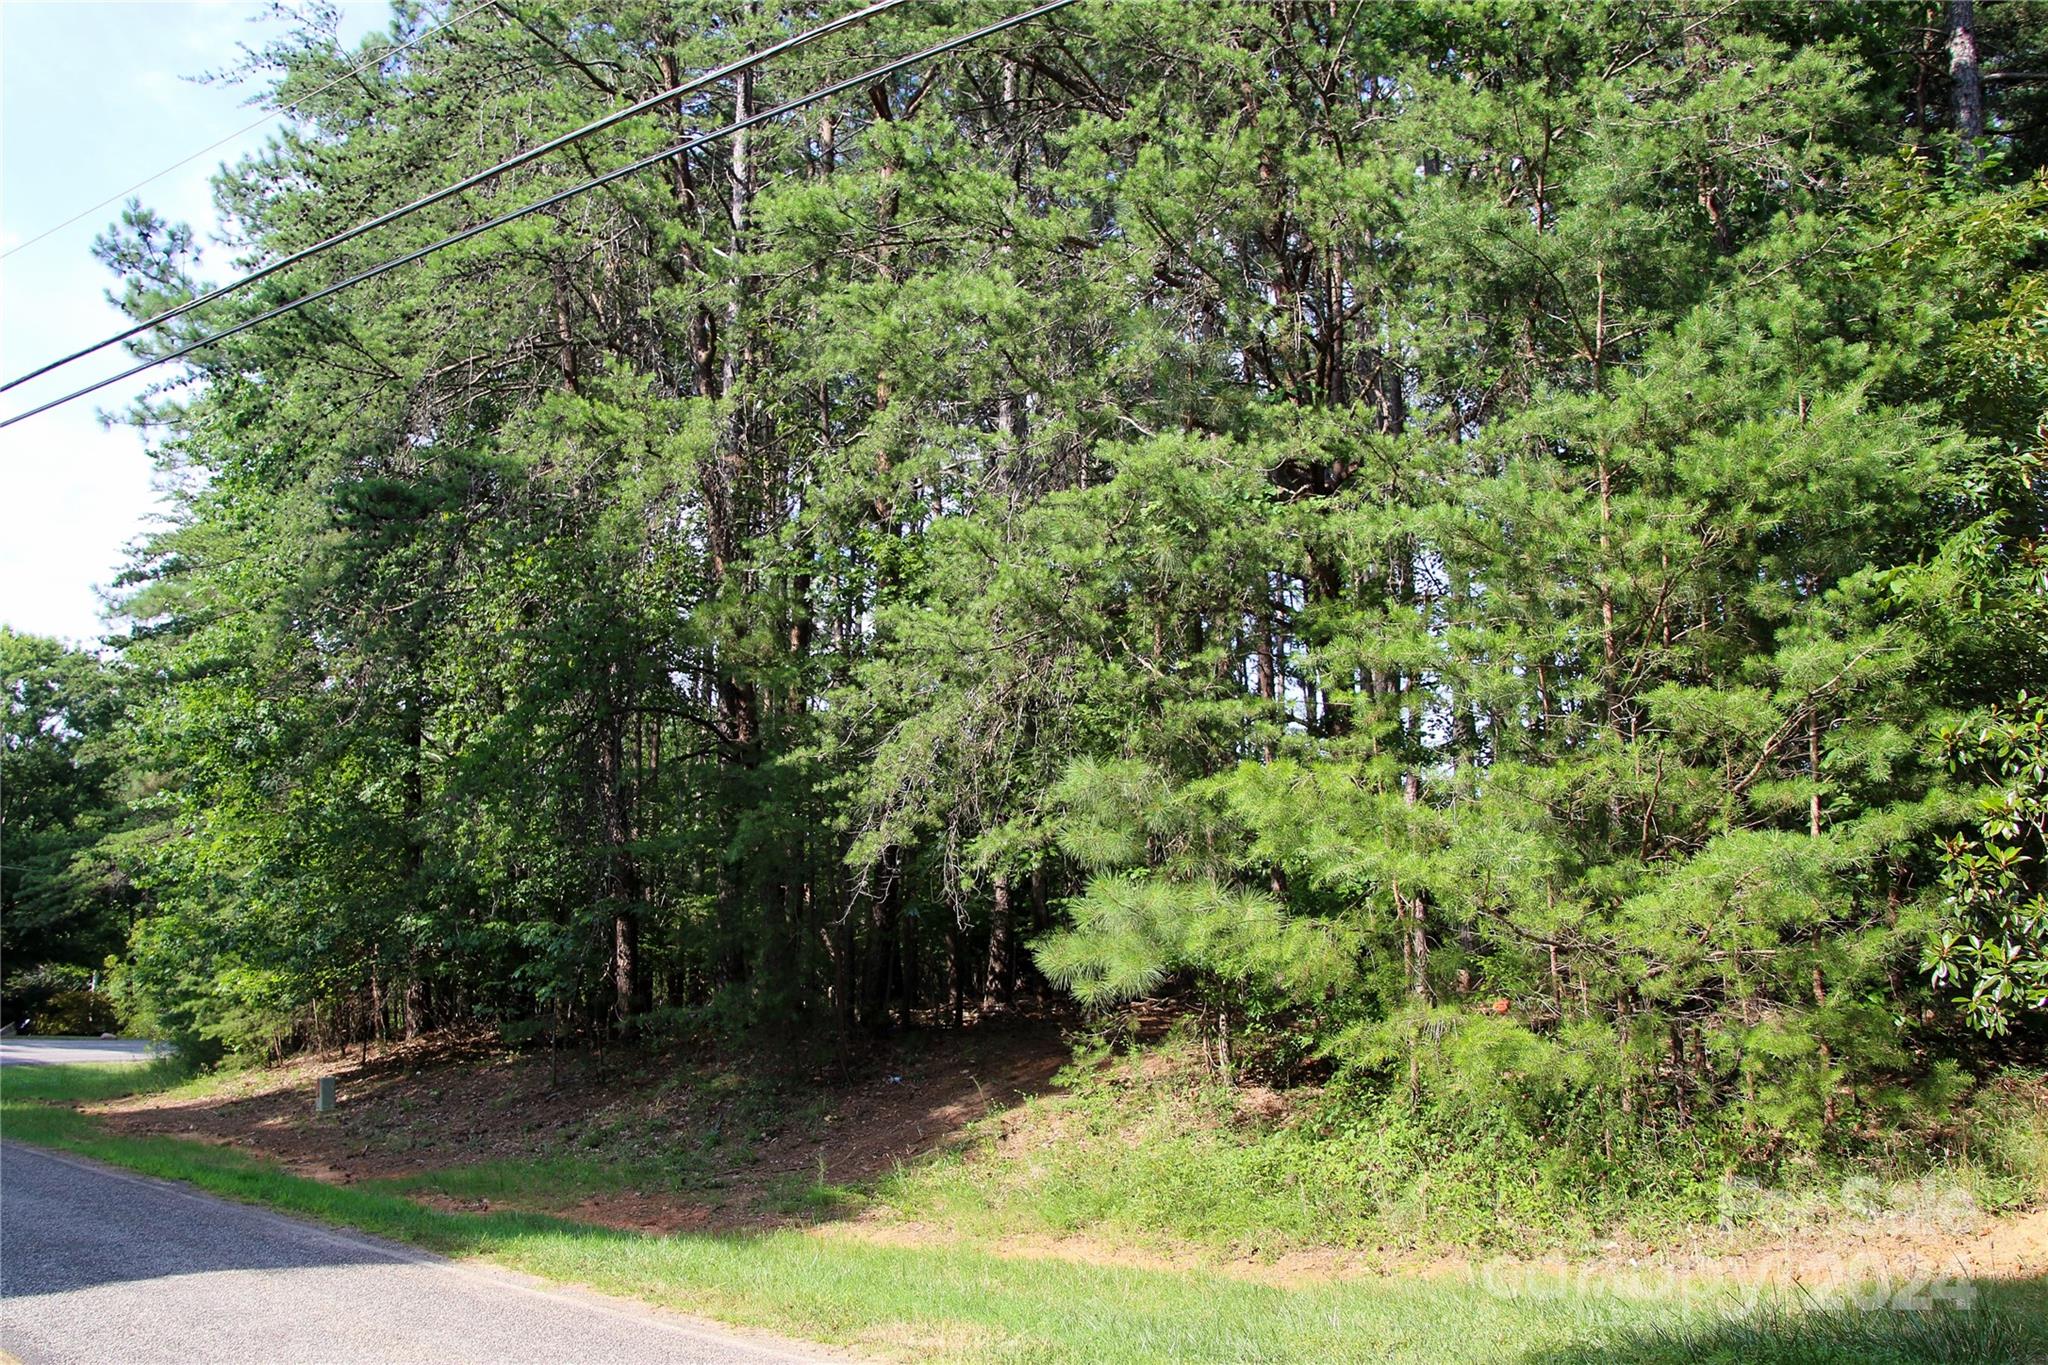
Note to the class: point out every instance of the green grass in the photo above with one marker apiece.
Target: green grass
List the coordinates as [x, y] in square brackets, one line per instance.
[1171, 1160]
[1174, 1162]
[548, 1183]
[2005, 1329]
[561, 1181]
[955, 1302]
[86, 1082]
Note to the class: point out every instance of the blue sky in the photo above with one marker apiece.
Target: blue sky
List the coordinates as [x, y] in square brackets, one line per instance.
[93, 97]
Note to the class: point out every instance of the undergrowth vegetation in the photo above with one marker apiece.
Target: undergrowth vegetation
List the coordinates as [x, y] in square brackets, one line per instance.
[1493, 552]
[958, 1302]
[1153, 1144]
[1486, 559]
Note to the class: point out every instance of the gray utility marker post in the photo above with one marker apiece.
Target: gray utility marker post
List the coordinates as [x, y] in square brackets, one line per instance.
[323, 1099]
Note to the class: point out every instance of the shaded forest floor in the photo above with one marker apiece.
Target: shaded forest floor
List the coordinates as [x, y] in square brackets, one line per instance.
[641, 1139]
[980, 1138]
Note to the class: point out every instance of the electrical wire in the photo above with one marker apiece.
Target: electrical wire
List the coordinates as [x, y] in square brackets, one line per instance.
[640, 164]
[617, 116]
[376, 60]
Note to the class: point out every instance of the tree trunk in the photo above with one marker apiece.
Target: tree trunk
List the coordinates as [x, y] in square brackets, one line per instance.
[1419, 931]
[956, 952]
[881, 956]
[415, 1005]
[621, 878]
[1001, 984]
[1827, 1057]
[1813, 773]
[1966, 81]
[906, 944]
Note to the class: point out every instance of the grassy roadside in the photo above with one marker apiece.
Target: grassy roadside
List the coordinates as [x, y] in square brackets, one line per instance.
[1145, 1146]
[956, 1302]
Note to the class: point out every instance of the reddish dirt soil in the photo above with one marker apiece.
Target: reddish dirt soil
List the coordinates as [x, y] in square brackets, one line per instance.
[1843, 1256]
[753, 1127]
[753, 1131]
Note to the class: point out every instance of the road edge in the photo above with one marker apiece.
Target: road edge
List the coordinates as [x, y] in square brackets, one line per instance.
[639, 1311]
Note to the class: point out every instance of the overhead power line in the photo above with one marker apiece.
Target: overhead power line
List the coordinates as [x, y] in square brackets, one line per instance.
[641, 164]
[377, 59]
[617, 116]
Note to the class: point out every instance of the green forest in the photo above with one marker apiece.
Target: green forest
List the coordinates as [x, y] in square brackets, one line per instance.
[1487, 557]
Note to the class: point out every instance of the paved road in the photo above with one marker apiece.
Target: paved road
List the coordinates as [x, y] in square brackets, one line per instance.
[98, 1265]
[34, 1051]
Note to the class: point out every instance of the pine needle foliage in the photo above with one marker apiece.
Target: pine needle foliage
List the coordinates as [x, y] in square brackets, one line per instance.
[1448, 537]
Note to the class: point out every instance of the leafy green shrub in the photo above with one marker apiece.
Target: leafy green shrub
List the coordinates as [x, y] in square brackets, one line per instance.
[1993, 942]
[59, 998]
[78, 1012]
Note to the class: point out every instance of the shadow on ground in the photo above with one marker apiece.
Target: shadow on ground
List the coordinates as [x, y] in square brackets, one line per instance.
[1958, 1322]
[54, 1235]
[640, 1139]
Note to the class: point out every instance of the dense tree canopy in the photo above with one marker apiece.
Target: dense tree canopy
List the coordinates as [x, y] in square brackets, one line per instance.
[65, 904]
[1457, 538]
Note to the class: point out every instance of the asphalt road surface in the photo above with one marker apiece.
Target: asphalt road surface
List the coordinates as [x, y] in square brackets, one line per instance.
[34, 1051]
[98, 1265]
